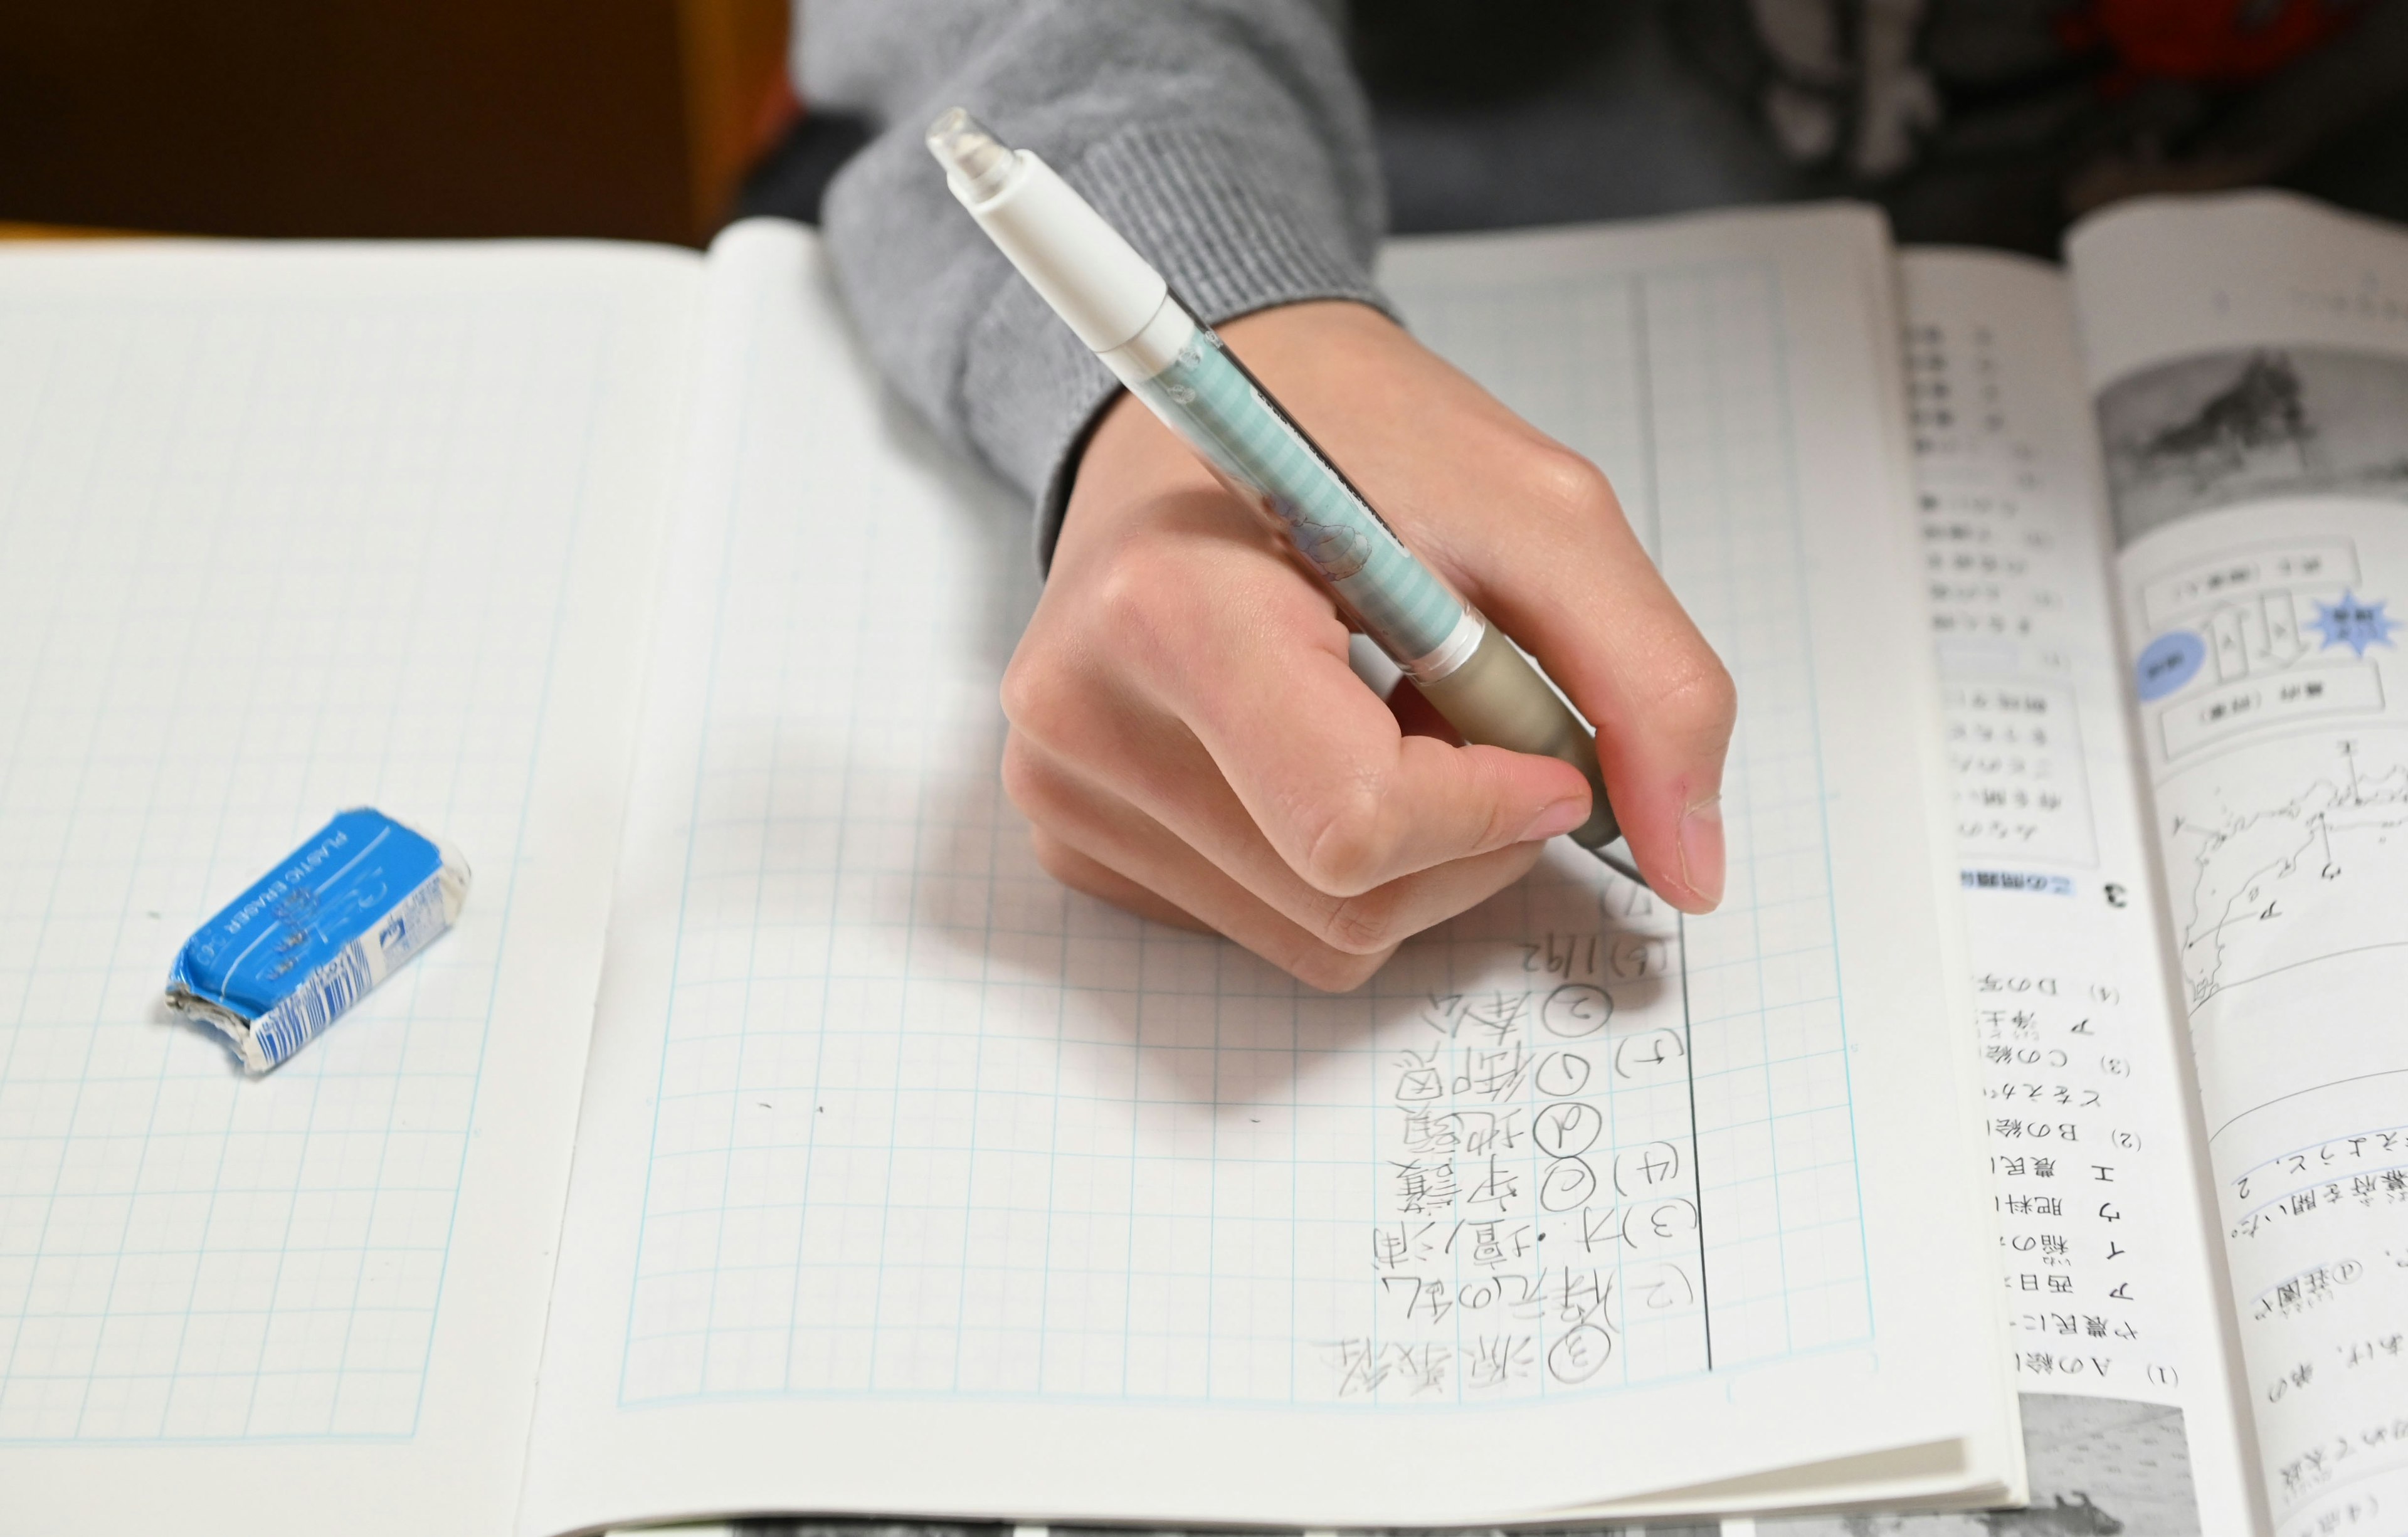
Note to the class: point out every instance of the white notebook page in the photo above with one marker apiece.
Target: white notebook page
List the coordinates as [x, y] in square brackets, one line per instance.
[2249, 358]
[909, 1182]
[288, 531]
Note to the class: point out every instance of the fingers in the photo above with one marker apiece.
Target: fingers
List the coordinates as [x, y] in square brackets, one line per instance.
[1305, 788]
[1351, 802]
[1097, 840]
[1188, 740]
[1573, 584]
[1535, 537]
[1080, 873]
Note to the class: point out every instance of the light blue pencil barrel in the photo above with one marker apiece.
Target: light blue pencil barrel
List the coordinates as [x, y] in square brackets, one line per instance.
[1217, 407]
[1122, 309]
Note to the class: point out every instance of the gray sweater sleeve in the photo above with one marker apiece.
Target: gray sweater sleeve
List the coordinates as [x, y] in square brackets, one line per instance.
[1226, 138]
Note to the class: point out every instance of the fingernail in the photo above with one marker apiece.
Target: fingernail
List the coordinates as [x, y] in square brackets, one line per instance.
[1559, 817]
[1701, 850]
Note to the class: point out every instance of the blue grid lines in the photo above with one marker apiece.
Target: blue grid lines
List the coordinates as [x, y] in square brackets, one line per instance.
[956, 1133]
[184, 1255]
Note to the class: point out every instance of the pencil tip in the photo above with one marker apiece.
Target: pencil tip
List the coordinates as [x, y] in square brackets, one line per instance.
[1620, 866]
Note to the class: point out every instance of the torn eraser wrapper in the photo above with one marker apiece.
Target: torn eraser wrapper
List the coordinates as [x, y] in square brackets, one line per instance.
[310, 937]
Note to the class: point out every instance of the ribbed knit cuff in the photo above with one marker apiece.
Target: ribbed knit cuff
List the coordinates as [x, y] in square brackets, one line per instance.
[1232, 230]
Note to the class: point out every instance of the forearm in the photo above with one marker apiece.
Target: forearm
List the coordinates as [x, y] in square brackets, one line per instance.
[1227, 139]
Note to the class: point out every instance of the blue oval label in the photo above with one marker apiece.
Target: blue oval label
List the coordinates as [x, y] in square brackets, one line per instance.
[2168, 662]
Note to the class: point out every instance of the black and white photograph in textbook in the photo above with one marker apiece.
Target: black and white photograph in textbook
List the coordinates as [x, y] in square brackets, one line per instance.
[2099, 1468]
[2242, 425]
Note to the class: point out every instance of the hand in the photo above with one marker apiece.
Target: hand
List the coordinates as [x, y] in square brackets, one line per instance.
[1188, 740]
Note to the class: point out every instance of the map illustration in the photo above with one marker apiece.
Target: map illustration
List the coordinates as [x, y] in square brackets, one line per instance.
[2284, 883]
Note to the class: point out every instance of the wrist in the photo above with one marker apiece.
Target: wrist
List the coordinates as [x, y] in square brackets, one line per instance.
[1126, 433]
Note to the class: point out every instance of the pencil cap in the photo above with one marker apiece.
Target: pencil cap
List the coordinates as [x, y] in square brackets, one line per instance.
[1093, 279]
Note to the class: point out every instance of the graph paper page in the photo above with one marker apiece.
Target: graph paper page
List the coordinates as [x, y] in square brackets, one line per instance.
[909, 1181]
[289, 531]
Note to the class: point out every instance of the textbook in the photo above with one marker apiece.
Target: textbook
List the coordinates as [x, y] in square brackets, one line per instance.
[770, 1136]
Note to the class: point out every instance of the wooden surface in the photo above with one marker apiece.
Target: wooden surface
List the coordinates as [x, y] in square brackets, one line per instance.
[420, 118]
[56, 231]
[736, 98]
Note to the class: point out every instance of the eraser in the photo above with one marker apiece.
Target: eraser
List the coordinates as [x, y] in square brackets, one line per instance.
[310, 937]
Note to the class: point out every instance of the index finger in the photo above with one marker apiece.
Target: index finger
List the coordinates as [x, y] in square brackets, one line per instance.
[1575, 585]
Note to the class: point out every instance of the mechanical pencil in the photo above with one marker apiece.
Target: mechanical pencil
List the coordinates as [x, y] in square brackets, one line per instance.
[1125, 312]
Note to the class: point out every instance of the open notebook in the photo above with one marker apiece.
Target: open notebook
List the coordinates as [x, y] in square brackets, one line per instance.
[771, 1135]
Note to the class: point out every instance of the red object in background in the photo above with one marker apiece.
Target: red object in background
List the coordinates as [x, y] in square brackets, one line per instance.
[2207, 39]
[780, 110]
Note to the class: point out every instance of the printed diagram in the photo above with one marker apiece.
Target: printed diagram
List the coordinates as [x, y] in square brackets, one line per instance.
[2355, 623]
[2265, 633]
[2258, 637]
[2245, 426]
[2284, 884]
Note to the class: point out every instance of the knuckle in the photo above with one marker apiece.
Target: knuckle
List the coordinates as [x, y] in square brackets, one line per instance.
[1507, 814]
[1566, 485]
[1036, 689]
[1027, 783]
[1348, 841]
[1138, 592]
[1053, 856]
[1332, 970]
[1696, 698]
[1359, 925]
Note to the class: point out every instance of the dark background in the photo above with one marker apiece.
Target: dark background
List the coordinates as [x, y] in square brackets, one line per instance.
[659, 119]
[614, 118]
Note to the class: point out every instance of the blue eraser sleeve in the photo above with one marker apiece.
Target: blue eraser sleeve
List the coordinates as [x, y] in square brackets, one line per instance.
[309, 938]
